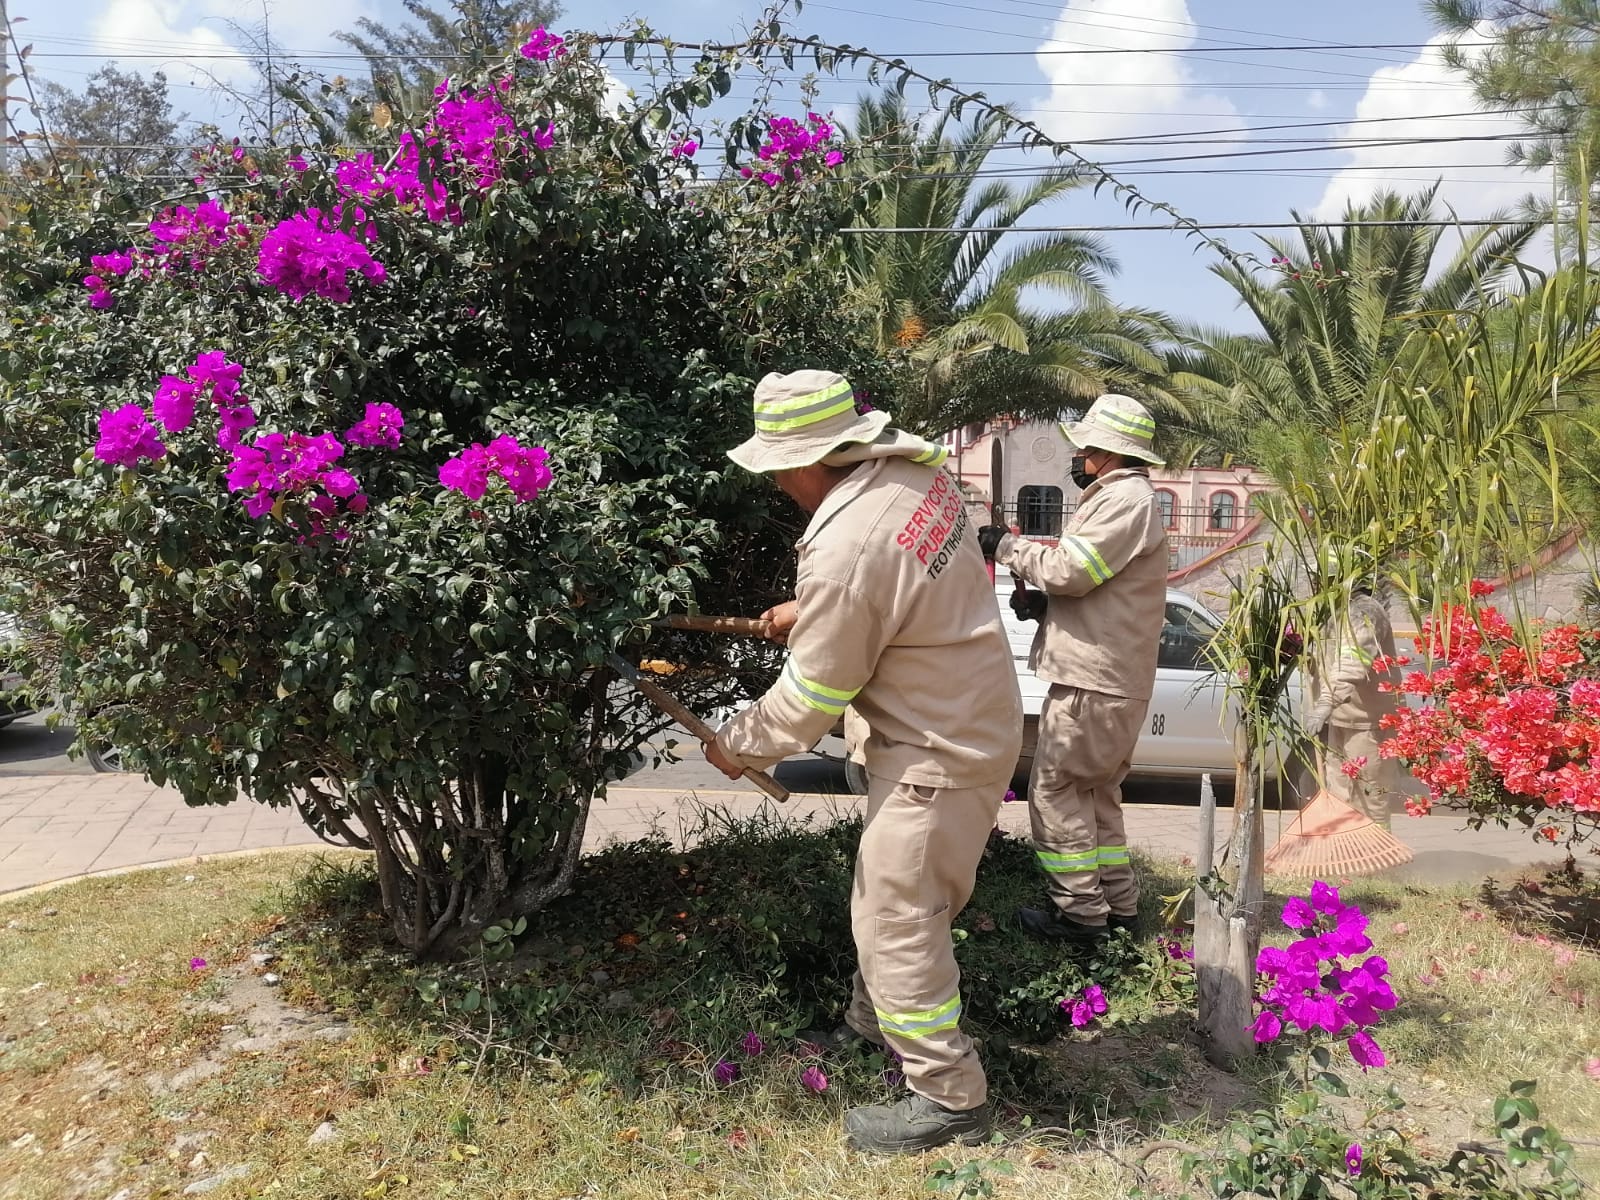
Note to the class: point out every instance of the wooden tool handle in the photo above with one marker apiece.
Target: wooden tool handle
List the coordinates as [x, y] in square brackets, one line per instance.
[669, 704]
[733, 626]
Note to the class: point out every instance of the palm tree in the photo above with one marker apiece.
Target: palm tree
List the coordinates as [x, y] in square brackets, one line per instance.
[958, 305]
[1333, 316]
[406, 62]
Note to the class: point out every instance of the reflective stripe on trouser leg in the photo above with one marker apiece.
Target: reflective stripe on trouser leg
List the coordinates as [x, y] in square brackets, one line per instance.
[914, 874]
[1086, 742]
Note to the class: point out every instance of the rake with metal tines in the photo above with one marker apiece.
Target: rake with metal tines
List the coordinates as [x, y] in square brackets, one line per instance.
[1328, 838]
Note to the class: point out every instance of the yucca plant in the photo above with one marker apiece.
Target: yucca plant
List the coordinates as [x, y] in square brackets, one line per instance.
[1455, 458]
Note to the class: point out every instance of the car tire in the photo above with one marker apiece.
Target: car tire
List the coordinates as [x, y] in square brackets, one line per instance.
[855, 777]
[106, 759]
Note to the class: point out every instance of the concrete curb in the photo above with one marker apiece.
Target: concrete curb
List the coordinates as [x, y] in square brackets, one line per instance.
[192, 861]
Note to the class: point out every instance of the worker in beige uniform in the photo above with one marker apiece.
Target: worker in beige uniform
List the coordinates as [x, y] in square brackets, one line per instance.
[1106, 588]
[1345, 676]
[894, 616]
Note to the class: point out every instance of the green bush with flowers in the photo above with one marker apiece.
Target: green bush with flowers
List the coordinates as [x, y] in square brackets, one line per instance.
[333, 480]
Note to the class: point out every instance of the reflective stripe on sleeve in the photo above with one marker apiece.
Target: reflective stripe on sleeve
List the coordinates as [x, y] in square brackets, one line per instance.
[921, 1024]
[816, 695]
[1089, 557]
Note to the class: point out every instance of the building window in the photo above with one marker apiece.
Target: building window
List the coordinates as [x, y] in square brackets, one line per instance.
[1169, 512]
[1223, 506]
[1039, 510]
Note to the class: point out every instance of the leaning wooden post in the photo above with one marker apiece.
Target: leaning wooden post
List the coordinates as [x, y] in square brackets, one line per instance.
[1227, 908]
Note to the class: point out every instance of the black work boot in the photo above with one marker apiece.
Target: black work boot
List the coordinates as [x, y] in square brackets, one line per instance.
[843, 1040]
[915, 1124]
[1057, 926]
[1116, 922]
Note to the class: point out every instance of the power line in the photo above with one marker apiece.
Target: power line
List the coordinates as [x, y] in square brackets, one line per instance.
[1487, 223]
[357, 56]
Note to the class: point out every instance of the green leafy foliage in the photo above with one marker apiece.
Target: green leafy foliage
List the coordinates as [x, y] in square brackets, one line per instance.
[429, 685]
[1304, 1150]
[661, 960]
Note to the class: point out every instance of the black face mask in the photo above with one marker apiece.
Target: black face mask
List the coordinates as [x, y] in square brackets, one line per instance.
[1078, 472]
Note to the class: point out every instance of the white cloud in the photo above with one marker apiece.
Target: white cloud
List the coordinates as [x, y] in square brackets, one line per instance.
[1477, 180]
[1317, 100]
[203, 35]
[208, 42]
[1120, 95]
[147, 27]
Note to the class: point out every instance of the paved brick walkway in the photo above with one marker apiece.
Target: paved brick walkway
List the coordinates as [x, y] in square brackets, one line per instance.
[55, 827]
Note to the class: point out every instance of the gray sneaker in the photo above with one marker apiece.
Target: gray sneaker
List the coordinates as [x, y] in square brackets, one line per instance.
[914, 1125]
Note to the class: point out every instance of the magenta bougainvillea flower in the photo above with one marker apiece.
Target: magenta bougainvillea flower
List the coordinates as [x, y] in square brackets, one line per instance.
[814, 1079]
[522, 467]
[379, 429]
[1316, 983]
[542, 46]
[309, 255]
[127, 437]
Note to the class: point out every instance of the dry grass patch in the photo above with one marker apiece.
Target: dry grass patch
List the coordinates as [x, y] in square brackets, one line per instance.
[364, 1076]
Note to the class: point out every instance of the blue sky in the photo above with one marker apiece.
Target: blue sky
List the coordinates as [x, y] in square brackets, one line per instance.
[1190, 76]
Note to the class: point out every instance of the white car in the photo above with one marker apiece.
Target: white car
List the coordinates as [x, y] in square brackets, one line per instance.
[1189, 730]
[14, 699]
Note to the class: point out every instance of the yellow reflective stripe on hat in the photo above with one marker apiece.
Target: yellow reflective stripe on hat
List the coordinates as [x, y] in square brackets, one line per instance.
[933, 456]
[1090, 558]
[1069, 864]
[799, 411]
[921, 1023]
[816, 695]
[1128, 422]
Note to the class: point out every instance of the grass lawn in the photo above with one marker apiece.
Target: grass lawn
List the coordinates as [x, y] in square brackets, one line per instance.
[579, 1058]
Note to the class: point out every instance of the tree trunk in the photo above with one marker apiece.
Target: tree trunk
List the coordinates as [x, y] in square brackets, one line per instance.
[1227, 933]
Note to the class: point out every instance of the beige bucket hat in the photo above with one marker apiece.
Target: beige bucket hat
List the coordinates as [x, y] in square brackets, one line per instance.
[801, 418]
[1119, 424]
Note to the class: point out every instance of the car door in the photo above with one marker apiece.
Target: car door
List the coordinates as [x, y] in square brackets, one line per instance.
[1185, 731]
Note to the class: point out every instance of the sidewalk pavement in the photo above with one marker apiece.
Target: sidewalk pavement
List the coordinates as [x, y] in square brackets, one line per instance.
[56, 827]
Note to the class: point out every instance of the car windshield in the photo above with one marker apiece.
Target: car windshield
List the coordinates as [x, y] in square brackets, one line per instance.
[1186, 637]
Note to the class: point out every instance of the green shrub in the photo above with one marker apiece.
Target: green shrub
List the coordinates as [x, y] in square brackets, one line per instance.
[435, 676]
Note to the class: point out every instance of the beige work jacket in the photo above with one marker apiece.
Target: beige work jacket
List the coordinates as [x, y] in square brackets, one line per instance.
[1107, 581]
[898, 620]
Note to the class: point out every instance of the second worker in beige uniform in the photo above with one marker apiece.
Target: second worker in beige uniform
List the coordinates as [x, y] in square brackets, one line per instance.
[895, 618]
[1349, 701]
[1096, 646]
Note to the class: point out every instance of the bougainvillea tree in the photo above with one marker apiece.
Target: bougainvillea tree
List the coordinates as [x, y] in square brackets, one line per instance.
[1505, 722]
[333, 480]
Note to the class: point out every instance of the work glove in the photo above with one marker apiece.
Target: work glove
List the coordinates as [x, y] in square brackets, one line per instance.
[1316, 722]
[1029, 606]
[989, 539]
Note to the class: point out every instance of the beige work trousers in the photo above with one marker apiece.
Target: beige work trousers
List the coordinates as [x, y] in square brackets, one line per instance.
[1086, 744]
[1373, 789]
[914, 873]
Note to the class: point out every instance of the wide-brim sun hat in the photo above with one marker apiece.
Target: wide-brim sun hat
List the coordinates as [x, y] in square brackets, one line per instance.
[1119, 424]
[801, 418]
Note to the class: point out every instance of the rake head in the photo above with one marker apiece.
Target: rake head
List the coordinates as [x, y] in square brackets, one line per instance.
[1329, 838]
